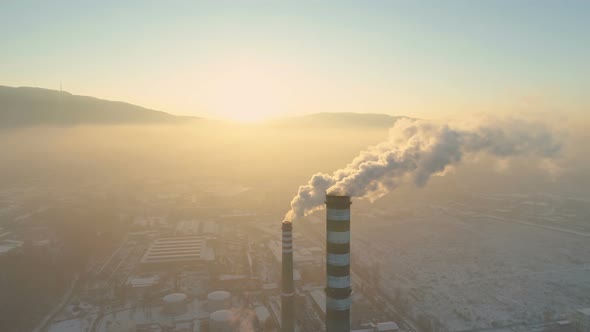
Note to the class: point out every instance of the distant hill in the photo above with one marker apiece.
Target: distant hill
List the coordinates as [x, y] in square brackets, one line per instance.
[338, 120]
[26, 106]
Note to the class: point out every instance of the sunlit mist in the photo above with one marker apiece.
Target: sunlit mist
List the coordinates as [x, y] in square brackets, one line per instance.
[246, 91]
[266, 166]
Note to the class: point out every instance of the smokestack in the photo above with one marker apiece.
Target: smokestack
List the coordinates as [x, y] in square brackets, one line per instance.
[338, 263]
[287, 289]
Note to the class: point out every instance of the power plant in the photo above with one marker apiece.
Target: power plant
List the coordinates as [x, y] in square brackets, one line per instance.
[287, 288]
[338, 289]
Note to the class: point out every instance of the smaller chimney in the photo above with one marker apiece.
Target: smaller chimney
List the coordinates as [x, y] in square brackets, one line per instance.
[287, 288]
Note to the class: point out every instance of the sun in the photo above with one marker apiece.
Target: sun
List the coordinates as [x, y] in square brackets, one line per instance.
[248, 93]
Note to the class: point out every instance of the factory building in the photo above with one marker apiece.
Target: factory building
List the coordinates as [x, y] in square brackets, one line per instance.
[7, 246]
[179, 251]
[141, 285]
[581, 320]
[319, 302]
[380, 327]
[262, 316]
[386, 327]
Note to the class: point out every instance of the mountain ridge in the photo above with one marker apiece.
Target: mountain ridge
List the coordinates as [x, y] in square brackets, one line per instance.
[32, 106]
[338, 120]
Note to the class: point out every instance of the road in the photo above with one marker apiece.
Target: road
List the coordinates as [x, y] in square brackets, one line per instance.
[43, 326]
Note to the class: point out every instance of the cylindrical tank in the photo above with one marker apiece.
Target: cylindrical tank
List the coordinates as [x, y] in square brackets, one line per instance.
[221, 321]
[174, 304]
[218, 300]
[337, 263]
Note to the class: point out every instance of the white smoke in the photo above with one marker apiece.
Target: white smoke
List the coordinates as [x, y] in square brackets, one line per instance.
[418, 149]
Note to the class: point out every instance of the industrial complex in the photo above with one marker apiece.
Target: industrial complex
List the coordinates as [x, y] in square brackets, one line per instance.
[240, 271]
[225, 275]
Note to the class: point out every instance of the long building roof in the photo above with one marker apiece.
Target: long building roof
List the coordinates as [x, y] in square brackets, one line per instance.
[177, 249]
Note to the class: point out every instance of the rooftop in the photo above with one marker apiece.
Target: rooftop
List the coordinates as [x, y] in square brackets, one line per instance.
[177, 249]
[9, 245]
[262, 313]
[143, 281]
[319, 297]
[387, 326]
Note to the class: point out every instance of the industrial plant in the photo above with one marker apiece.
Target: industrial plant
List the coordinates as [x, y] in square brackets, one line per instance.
[346, 267]
[237, 271]
[229, 271]
[427, 161]
[335, 303]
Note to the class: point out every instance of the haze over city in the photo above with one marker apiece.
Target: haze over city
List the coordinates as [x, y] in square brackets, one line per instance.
[292, 166]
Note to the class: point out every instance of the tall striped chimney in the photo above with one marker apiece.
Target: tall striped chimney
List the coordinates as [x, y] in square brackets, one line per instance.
[287, 289]
[338, 263]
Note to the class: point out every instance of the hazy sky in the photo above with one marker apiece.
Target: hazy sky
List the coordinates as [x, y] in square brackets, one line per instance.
[253, 59]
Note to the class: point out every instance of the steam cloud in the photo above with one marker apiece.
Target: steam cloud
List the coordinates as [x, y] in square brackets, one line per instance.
[416, 150]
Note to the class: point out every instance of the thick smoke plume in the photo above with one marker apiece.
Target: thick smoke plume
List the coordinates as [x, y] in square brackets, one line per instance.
[416, 150]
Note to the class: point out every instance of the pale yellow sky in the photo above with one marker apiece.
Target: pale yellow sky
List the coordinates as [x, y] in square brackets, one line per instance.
[254, 61]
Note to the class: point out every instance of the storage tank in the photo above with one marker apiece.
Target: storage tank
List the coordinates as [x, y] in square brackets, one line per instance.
[218, 300]
[221, 321]
[174, 304]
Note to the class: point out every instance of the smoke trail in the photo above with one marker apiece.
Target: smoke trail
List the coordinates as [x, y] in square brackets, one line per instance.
[416, 150]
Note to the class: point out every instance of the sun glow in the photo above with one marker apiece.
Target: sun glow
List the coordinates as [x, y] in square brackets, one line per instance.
[248, 93]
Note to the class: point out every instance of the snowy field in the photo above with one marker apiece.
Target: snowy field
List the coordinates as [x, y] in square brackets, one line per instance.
[475, 271]
[72, 325]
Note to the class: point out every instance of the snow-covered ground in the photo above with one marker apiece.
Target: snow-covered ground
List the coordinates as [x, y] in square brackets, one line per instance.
[472, 271]
[152, 315]
[72, 325]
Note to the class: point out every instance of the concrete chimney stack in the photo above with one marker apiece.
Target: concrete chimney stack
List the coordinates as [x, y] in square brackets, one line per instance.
[338, 263]
[287, 288]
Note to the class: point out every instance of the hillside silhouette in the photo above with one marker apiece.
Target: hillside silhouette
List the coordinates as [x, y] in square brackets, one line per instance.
[25, 106]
